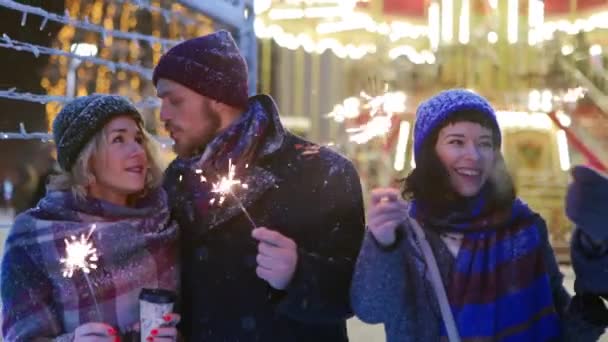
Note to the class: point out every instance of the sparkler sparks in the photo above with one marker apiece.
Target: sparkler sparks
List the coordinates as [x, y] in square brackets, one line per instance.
[81, 254]
[225, 187]
[381, 109]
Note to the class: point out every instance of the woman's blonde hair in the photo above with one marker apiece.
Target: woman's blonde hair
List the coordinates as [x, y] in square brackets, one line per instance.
[81, 174]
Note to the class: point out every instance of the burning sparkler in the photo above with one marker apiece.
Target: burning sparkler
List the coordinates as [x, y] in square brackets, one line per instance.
[224, 187]
[381, 109]
[81, 254]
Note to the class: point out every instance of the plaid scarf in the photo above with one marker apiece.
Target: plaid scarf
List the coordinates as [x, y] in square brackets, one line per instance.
[499, 288]
[136, 248]
[240, 144]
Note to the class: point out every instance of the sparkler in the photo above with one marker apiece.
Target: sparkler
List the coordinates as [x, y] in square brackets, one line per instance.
[224, 187]
[381, 109]
[81, 254]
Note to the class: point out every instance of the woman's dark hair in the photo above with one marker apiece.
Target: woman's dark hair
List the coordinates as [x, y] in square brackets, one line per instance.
[429, 182]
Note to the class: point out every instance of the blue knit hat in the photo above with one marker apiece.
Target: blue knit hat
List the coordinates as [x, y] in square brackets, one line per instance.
[210, 65]
[433, 112]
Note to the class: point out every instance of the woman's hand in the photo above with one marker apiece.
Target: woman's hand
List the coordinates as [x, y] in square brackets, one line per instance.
[387, 213]
[167, 331]
[95, 332]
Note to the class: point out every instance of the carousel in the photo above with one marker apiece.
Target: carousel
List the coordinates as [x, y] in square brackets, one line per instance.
[541, 63]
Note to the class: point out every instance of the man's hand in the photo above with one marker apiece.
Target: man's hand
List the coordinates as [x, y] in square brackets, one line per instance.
[277, 257]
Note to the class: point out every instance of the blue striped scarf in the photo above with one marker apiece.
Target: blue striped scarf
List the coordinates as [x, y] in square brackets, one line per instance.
[499, 288]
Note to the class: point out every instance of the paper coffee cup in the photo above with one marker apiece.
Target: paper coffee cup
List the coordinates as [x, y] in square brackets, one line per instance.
[153, 305]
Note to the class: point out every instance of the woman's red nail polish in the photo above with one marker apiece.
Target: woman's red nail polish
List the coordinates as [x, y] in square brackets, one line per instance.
[150, 339]
[112, 331]
[117, 339]
[167, 318]
[154, 332]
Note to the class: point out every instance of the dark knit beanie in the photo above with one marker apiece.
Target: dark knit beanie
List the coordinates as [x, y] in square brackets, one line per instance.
[82, 118]
[432, 113]
[587, 202]
[210, 65]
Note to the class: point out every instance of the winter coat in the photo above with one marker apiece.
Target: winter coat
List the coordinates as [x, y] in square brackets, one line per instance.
[391, 286]
[309, 194]
[135, 248]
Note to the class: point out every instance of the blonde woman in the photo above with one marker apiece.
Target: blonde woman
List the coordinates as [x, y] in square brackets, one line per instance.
[110, 180]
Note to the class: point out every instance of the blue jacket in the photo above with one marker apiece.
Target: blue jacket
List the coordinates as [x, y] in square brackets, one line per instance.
[391, 287]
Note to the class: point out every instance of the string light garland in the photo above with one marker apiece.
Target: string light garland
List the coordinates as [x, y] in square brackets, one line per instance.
[166, 14]
[45, 137]
[37, 50]
[85, 24]
[12, 94]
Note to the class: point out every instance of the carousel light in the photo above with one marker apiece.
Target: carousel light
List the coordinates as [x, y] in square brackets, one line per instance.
[492, 37]
[523, 120]
[595, 50]
[593, 22]
[567, 49]
[447, 23]
[464, 25]
[261, 6]
[404, 133]
[563, 118]
[513, 21]
[434, 25]
[564, 153]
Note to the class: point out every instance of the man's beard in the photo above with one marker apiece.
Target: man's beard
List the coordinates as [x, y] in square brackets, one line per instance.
[197, 146]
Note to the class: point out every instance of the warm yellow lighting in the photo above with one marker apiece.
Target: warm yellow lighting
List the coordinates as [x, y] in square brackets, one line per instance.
[413, 55]
[404, 133]
[595, 21]
[465, 18]
[536, 9]
[523, 120]
[546, 101]
[447, 20]
[564, 153]
[513, 21]
[261, 6]
[434, 25]
[534, 100]
[595, 50]
[492, 37]
[567, 49]
[563, 119]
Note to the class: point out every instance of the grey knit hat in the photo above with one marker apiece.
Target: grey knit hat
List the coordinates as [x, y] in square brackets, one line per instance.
[82, 118]
[436, 110]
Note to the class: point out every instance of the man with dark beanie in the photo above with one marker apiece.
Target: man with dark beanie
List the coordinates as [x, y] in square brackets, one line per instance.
[277, 268]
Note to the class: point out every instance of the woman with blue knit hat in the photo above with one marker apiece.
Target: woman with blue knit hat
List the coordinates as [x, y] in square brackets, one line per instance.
[457, 256]
[109, 192]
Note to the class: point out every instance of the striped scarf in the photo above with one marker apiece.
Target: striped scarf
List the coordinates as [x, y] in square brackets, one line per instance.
[499, 288]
